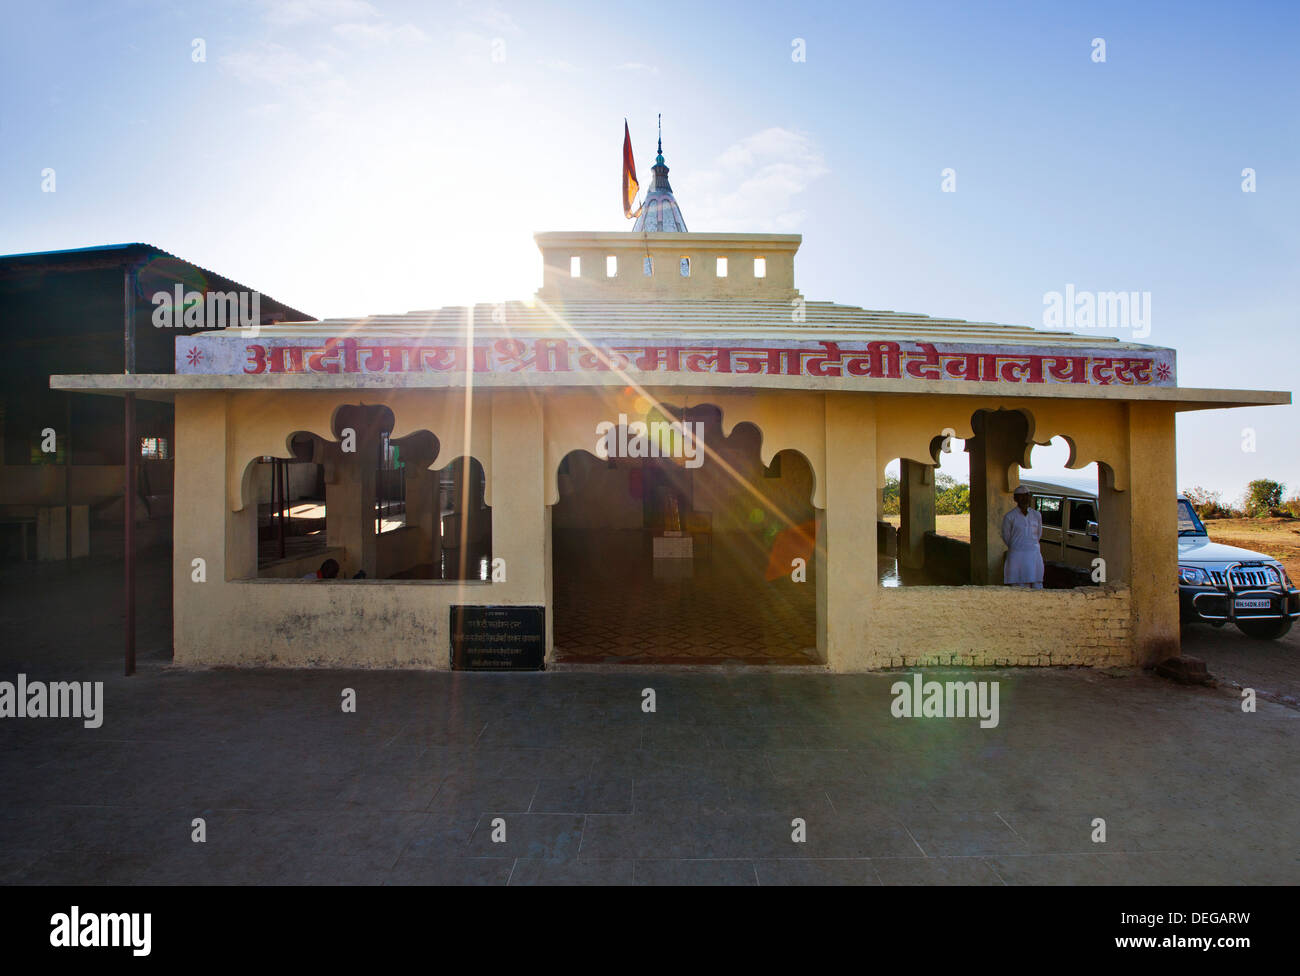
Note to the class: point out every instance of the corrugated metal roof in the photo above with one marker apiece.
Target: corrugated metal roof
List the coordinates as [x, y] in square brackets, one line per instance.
[119, 255]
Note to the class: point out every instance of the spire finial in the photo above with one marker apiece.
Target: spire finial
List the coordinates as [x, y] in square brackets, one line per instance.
[660, 212]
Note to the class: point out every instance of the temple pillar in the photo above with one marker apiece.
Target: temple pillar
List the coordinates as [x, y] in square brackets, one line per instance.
[1145, 521]
[846, 530]
[350, 506]
[916, 506]
[520, 515]
[999, 443]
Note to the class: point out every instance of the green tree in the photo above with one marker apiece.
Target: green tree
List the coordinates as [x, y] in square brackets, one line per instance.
[1262, 496]
[890, 504]
[951, 497]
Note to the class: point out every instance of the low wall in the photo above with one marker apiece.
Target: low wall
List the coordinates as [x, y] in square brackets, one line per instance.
[325, 623]
[995, 626]
[887, 539]
[947, 560]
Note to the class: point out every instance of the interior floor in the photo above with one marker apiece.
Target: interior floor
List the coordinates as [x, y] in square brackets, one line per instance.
[614, 602]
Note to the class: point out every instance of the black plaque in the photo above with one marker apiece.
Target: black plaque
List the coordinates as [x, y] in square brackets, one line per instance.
[498, 638]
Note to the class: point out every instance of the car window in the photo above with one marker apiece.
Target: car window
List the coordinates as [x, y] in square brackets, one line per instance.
[1188, 522]
[1081, 513]
[1049, 509]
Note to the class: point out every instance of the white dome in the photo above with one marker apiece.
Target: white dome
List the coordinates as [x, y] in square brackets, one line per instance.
[659, 210]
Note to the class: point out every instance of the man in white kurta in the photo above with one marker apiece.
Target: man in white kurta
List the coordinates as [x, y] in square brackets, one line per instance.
[1022, 527]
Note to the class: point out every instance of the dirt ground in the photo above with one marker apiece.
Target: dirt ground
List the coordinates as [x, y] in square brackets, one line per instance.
[952, 526]
[1276, 537]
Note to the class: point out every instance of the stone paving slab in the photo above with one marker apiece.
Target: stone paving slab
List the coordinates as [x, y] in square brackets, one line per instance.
[1197, 792]
[592, 790]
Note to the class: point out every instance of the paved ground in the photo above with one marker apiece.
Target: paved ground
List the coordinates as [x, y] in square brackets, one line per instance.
[592, 789]
[1272, 668]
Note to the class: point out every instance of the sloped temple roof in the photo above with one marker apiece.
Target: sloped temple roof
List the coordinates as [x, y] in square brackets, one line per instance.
[672, 310]
[732, 318]
[718, 343]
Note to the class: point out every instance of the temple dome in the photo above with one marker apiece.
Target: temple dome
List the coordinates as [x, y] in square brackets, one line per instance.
[659, 210]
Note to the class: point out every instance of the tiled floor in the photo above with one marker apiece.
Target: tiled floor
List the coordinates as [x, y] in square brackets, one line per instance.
[563, 778]
[613, 603]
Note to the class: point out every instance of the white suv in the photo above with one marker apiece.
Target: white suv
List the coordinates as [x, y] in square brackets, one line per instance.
[1216, 583]
[1221, 584]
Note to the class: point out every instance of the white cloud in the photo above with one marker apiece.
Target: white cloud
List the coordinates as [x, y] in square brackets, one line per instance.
[273, 64]
[489, 16]
[752, 184]
[637, 66]
[284, 13]
[384, 32]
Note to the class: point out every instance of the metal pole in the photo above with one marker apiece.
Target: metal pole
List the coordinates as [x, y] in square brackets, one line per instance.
[130, 447]
[288, 502]
[130, 450]
[67, 476]
[279, 500]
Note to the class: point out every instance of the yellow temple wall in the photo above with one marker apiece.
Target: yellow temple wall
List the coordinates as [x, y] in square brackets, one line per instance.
[520, 437]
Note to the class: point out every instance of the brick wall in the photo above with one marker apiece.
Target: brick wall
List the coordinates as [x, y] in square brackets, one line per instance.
[995, 626]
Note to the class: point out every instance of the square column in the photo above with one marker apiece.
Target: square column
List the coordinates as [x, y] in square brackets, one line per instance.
[421, 499]
[1139, 532]
[846, 530]
[916, 505]
[999, 442]
[202, 527]
[350, 507]
[520, 516]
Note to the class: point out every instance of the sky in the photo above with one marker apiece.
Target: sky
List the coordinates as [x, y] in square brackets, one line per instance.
[351, 157]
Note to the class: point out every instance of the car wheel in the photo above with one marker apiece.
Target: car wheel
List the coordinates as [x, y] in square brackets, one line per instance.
[1264, 629]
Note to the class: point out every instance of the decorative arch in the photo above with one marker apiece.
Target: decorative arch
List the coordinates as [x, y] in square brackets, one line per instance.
[262, 424]
[1096, 430]
[785, 420]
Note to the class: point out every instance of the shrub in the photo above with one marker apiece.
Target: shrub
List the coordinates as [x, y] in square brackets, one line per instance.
[890, 503]
[950, 496]
[1262, 497]
[1209, 504]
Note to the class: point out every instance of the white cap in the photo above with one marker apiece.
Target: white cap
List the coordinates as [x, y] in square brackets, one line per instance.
[1019, 490]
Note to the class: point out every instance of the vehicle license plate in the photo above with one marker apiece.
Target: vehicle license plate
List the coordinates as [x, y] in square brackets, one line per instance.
[1253, 604]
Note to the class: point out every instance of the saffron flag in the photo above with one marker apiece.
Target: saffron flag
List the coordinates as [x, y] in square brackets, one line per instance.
[630, 185]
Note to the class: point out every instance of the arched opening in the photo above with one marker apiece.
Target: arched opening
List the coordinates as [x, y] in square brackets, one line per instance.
[364, 506]
[1069, 505]
[924, 529]
[945, 523]
[462, 532]
[291, 509]
[667, 552]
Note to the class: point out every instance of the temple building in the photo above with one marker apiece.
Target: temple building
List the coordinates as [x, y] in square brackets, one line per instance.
[667, 454]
